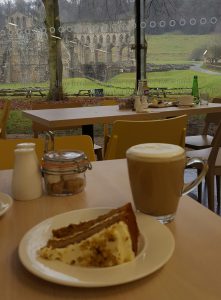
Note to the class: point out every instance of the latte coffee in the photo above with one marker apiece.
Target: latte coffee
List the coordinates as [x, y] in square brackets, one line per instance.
[156, 173]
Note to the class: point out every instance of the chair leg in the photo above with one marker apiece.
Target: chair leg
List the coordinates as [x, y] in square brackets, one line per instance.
[199, 188]
[218, 192]
[35, 134]
[210, 189]
[99, 153]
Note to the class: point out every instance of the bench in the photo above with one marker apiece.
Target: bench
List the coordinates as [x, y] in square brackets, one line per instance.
[91, 93]
[84, 93]
[27, 92]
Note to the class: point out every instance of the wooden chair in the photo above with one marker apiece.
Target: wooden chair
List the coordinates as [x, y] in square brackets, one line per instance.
[128, 133]
[213, 156]
[204, 140]
[81, 142]
[4, 118]
[106, 125]
[7, 147]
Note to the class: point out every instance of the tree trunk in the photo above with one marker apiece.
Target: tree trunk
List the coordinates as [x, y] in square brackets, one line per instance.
[52, 23]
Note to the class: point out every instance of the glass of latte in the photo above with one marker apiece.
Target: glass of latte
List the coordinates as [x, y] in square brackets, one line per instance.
[156, 173]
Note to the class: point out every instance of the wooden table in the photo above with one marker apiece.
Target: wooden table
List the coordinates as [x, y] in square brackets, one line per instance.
[89, 116]
[193, 272]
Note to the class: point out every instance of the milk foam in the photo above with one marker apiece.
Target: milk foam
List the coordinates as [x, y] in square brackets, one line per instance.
[153, 151]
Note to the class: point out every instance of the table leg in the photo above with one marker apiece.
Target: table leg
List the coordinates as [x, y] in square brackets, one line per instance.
[88, 130]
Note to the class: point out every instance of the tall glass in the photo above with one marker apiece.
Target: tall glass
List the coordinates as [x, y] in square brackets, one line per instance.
[156, 173]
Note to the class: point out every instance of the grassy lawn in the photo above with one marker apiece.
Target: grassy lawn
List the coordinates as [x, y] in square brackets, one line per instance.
[123, 84]
[73, 85]
[174, 79]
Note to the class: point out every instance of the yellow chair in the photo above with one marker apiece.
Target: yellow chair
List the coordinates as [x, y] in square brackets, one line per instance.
[205, 140]
[4, 118]
[7, 147]
[76, 142]
[108, 102]
[81, 142]
[128, 133]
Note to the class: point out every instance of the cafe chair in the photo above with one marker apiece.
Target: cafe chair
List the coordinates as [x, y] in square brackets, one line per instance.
[77, 142]
[7, 147]
[106, 125]
[81, 142]
[204, 140]
[106, 102]
[128, 133]
[4, 114]
[212, 156]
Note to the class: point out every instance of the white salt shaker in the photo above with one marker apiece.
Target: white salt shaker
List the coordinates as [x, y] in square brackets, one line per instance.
[144, 102]
[27, 145]
[26, 179]
[137, 103]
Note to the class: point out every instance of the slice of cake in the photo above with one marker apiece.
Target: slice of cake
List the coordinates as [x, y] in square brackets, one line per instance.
[110, 239]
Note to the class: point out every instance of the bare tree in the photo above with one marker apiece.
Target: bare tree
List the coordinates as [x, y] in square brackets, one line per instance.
[52, 22]
[160, 7]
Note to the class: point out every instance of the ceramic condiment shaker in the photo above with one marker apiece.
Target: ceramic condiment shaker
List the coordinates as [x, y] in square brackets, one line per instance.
[26, 179]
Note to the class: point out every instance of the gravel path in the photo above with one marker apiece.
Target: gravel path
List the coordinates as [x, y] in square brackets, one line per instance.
[198, 68]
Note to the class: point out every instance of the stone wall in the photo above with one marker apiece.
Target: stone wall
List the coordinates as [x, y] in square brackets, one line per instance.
[24, 54]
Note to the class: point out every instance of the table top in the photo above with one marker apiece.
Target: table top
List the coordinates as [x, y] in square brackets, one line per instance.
[55, 118]
[193, 272]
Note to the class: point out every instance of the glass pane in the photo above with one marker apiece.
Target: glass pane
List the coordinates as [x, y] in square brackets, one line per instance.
[183, 41]
[97, 42]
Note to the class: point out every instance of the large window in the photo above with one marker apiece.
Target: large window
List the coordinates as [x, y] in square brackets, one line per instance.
[98, 45]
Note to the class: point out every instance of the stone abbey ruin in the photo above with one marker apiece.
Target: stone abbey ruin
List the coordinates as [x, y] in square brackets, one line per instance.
[97, 50]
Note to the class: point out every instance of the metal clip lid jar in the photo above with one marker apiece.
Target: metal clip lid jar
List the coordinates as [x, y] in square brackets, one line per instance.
[64, 172]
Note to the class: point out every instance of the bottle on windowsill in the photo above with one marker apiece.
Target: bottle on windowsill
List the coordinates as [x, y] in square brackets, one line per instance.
[141, 97]
[195, 90]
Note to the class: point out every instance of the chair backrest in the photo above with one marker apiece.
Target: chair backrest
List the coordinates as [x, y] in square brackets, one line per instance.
[128, 133]
[214, 169]
[77, 142]
[108, 102]
[81, 142]
[106, 128]
[214, 149]
[7, 147]
[212, 118]
[4, 118]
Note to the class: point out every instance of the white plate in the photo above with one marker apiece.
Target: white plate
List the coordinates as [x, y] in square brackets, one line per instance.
[156, 248]
[5, 203]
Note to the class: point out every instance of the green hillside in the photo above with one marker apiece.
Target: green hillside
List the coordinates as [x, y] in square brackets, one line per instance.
[175, 48]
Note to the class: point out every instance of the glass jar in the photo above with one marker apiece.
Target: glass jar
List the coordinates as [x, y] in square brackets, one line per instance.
[64, 172]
